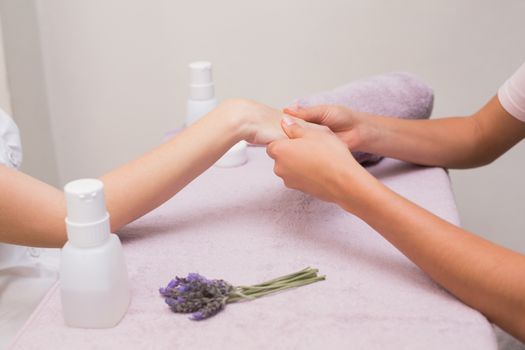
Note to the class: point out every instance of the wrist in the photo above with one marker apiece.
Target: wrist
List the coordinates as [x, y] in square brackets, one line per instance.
[236, 121]
[357, 190]
[254, 122]
[366, 132]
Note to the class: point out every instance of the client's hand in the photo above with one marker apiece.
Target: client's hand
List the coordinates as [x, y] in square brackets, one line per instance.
[347, 124]
[258, 123]
[317, 162]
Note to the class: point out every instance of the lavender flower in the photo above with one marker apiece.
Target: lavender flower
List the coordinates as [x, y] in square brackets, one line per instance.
[210, 309]
[204, 298]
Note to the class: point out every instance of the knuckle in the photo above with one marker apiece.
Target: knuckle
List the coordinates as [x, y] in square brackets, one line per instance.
[274, 149]
[270, 150]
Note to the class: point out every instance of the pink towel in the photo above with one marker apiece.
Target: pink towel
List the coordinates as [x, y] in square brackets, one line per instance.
[243, 225]
[400, 95]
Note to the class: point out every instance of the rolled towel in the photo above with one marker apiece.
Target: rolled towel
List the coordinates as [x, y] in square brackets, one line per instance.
[398, 94]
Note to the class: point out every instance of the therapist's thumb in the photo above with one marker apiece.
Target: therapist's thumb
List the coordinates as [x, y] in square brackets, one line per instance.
[291, 128]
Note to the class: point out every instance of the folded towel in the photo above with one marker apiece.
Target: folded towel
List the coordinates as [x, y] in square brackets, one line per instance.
[400, 95]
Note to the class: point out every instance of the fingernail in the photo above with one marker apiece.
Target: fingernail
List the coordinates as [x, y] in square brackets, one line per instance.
[288, 121]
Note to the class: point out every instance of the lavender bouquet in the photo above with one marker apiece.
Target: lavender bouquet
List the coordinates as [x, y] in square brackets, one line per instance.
[204, 298]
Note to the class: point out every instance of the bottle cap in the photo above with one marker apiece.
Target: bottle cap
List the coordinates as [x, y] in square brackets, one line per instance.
[201, 81]
[87, 219]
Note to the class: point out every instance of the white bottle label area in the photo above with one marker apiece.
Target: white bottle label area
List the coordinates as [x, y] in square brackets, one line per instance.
[94, 285]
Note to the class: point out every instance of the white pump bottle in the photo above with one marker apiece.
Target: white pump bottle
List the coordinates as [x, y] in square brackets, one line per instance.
[202, 92]
[201, 101]
[94, 284]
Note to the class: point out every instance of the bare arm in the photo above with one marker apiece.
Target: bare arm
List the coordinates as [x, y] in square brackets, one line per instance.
[454, 142]
[483, 275]
[32, 212]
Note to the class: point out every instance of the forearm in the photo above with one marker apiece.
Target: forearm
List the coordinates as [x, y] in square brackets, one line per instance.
[483, 275]
[143, 184]
[32, 212]
[454, 142]
[448, 142]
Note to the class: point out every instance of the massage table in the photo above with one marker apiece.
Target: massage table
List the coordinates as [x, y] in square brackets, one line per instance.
[243, 225]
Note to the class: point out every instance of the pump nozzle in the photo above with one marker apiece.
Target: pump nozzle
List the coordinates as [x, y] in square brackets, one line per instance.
[201, 81]
[87, 218]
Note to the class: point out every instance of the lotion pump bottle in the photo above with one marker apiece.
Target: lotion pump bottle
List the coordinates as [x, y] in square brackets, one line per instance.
[94, 286]
[202, 92]
[201, 101]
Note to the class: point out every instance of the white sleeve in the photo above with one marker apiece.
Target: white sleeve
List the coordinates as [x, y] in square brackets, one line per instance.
[10, 145]
[512, 94]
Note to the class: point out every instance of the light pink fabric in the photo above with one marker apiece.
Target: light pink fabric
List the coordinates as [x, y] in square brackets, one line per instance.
[243, 225]
[512, 94]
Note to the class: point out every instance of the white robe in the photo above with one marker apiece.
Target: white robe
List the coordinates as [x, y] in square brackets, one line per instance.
[26, 273]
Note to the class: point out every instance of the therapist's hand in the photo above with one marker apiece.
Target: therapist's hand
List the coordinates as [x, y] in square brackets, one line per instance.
[317, 162]
[349, 125]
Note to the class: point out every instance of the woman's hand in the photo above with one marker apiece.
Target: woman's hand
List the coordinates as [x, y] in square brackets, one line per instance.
[258, 123]
[317, 162]
[347, 124]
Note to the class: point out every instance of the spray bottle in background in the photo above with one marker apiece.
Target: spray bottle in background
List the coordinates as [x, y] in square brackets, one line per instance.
[94, 286]
[201, 101]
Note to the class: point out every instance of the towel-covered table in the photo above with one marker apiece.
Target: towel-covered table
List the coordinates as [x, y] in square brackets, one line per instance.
[242, 225]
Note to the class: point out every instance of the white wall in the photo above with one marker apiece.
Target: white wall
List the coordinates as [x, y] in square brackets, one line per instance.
[21, 30]
[5, 98]
[115, 72]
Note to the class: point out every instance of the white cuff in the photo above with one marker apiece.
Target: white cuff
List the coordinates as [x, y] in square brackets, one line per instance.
[10, 145]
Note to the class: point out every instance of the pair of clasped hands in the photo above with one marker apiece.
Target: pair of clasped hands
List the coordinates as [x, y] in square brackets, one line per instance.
[312, 149]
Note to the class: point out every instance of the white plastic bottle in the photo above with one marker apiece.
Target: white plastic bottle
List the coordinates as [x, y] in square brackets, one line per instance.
[94, 284]
[202, 92]
[201, 101]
